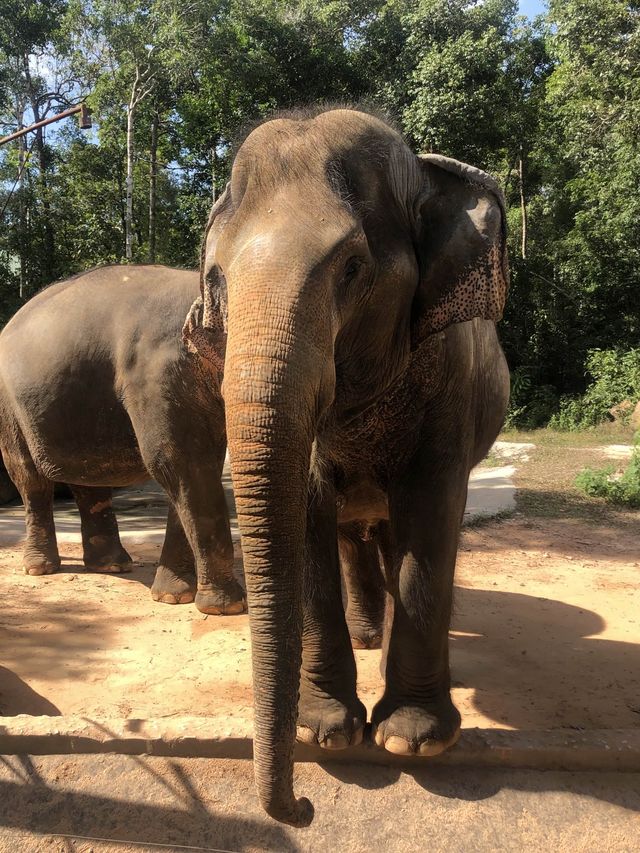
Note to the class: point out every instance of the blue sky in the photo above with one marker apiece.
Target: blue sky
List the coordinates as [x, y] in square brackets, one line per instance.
[531, 8]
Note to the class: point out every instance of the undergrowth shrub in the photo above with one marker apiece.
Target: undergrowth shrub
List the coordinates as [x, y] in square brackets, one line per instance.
[623, 489]
[530, 405]
[616, 378]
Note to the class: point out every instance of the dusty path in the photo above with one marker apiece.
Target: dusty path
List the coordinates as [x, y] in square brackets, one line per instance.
[546, 634]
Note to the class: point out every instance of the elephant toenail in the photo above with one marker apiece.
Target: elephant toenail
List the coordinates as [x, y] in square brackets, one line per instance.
[335, 741]
[305, 735]
[378, 737]
[397, 745]
[430, 747]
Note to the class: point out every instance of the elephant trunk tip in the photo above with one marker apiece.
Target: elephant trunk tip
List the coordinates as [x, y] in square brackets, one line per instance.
[298, 813]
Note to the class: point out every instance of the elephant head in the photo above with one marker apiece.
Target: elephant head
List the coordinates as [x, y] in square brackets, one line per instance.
[332, 255]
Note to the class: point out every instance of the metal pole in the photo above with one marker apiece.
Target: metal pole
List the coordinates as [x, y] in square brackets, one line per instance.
[85, 122]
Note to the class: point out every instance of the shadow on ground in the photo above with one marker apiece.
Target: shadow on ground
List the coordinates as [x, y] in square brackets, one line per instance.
[61, 643]
[16, 697]
[471, 785]
[550, 503]
[537, 663]
[566, 534]
[187, 819]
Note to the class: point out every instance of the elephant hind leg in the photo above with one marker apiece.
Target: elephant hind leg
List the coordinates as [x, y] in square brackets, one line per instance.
[40, 554]
[101, 545]
[175, 580]
[365, 587]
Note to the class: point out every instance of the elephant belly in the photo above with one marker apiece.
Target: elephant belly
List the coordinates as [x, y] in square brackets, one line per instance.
[361, 499]
[94, 445]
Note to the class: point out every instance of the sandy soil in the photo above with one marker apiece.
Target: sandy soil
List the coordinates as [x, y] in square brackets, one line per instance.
[546, 635]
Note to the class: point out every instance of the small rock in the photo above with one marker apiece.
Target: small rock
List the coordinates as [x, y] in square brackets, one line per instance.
[622, 410]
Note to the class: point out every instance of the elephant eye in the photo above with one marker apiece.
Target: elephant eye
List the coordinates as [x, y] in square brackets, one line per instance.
[351, 270]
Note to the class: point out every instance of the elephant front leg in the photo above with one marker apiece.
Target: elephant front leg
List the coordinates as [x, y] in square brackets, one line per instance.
[416, 714]
[203, 512]
[329, 711]
[101, 545]
[175, 581]
[184, 449]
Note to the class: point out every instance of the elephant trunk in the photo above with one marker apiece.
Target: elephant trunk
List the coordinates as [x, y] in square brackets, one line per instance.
[273, 374]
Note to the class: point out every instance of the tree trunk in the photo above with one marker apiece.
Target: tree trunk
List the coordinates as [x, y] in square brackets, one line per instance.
[47, 261]
[523, 206]
[153, 164]
[128, 216]
[22, 207]
[214, 172]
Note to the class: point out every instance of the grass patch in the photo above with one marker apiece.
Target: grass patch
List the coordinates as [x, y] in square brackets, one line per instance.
[616, 487]
[546, 484]
[492, 460]
[610, 433]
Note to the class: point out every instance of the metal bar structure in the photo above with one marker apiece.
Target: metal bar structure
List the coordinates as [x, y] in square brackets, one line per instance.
[85, 122]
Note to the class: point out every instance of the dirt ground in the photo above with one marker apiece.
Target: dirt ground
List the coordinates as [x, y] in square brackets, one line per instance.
[546, 634]
[141, 804]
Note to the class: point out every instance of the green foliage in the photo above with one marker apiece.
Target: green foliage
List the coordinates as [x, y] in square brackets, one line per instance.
[616, 379]
[620, 489]
[531, 405]
[550, 106]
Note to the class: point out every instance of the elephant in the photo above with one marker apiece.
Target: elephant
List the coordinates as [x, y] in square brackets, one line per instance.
[352, 289]
[97, 390]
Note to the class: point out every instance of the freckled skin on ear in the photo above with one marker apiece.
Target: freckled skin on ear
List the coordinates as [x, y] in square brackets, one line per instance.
[340, 248]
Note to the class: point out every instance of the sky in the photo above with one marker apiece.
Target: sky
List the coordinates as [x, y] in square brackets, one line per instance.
[531, 8]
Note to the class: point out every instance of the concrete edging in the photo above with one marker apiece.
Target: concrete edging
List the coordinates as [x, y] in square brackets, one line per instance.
[212, 737]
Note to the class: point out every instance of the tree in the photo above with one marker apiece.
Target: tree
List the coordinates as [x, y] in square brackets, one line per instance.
[35, 84]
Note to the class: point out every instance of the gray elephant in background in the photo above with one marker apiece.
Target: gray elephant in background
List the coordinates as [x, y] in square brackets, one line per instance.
[97, 390]
[352, 288]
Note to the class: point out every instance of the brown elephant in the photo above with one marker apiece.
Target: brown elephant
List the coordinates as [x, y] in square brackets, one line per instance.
[355, 287]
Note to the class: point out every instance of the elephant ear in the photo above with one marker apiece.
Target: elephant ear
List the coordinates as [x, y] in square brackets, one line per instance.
[204, 330]
[461, 247]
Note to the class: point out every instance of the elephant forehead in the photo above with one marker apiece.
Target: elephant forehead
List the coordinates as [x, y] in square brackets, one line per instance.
[298, 149]
[295, 224]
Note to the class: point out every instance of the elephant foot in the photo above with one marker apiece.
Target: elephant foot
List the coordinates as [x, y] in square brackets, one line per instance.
[328, 722]
[110, 567]
[229, 599]
[411, 729]
[365, 633]
[365, 638]
[169, 587]
[103, 557]
[37, 567]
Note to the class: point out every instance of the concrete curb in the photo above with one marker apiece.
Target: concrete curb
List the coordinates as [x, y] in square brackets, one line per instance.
[211, 737]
